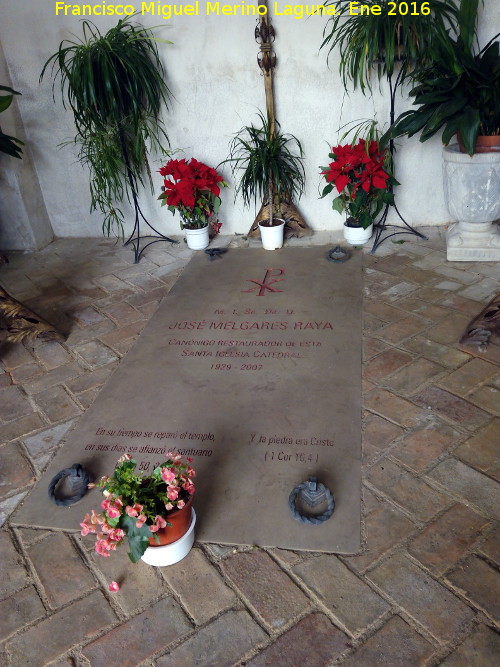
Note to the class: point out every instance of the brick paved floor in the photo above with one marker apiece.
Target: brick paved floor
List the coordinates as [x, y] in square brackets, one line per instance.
[423, 592]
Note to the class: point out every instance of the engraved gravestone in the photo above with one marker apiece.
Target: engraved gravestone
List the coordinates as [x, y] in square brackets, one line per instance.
[252, 366]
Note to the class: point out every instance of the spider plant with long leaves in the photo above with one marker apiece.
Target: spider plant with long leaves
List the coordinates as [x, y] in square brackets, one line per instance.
[267, 165]
[388, 38]
[115, 86]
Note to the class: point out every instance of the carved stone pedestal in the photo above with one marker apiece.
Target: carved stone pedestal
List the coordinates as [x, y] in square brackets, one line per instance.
[472, 193]
[473, 242]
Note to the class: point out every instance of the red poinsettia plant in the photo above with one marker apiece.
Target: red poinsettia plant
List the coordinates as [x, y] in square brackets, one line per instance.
[193, 189]
[361, 175]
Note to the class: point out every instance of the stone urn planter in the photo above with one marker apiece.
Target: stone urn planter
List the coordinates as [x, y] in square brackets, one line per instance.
[472, 194]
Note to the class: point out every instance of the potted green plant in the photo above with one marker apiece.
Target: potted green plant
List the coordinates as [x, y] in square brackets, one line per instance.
[385, 38]
[460, 94]
[9, 145]
[192, 188]
[153, 512]
[268, 169]
[115, 86]
[360, 173]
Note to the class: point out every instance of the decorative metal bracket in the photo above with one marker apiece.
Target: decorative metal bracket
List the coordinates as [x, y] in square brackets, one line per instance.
[215, 253]
[381, 225]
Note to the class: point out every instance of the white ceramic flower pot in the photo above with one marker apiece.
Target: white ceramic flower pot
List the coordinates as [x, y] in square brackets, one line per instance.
[197, 239]
[272, 237]
[357, 235]
[472, 194]
[171, 553]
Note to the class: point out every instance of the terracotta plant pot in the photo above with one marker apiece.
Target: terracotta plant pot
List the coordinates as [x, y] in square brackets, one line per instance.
[168, 554]
[484, 144]
[180, 520]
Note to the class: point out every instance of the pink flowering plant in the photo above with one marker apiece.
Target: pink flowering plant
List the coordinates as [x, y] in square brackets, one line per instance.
[136, 506]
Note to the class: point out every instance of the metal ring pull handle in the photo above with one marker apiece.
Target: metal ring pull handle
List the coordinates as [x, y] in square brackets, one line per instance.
[78, 479]
[338, 255]
[313, 494]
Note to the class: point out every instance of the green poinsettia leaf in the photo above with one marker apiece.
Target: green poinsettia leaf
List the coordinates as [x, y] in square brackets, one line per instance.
[365, 220]
[138, 538]
[338, 205]
[326, 190]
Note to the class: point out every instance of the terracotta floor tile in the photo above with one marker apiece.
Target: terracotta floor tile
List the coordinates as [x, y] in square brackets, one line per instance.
[443, 542]
[465, 379]
[425, 444]
[445, 355]
[398, 331]
[385, 363]
[407, 380]
[452, 407]
[482, 450]
[487, 398]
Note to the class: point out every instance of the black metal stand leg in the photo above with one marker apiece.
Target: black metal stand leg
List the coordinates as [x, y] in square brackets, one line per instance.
[381, 225]
[135, 238]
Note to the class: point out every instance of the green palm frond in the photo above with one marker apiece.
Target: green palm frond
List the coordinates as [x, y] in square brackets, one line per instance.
[386, 39]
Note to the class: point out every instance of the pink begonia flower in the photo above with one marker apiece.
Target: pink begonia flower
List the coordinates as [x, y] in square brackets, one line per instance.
[113, 513]
[169, 506]
[141, 519]
[85, 529]
[180, 504]
[191, 472]
[172, 493]
[167, 475]
[189, 487]
[114, 587]
[160, 521]
[133, 511]
[102, 548]
[106, 504]
[116, 534]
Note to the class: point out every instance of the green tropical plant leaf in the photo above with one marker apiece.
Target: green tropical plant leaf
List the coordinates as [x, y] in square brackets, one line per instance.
[138, 538]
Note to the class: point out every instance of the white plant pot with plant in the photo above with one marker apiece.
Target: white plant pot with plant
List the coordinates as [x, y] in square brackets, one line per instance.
[361, 174]
[169, 554]
[146, 510]
[192, 188]
[268, 169]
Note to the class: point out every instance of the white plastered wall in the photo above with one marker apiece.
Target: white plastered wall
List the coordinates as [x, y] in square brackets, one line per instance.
[212, 71]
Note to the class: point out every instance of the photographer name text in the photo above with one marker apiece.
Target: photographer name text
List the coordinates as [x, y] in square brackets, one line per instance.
[297, 11]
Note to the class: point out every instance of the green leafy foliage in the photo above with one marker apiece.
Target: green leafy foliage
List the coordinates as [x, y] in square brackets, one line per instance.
[9, 145]
[459, 92]
[115, 86]
[266, 164]
[386, 39]
[138, 538]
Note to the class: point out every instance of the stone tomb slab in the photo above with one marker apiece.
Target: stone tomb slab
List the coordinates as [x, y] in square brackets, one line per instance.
[252, 366]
